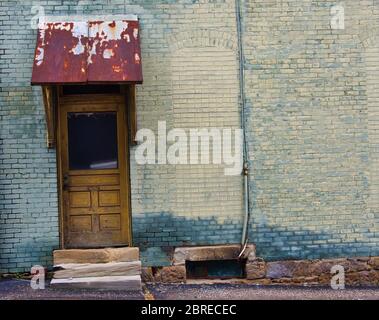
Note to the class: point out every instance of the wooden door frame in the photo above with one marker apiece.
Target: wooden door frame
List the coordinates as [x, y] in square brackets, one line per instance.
[125, 184]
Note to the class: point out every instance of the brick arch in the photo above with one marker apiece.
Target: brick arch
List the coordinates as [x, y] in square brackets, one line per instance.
[369, 37]
[204, 94]
[202, 38]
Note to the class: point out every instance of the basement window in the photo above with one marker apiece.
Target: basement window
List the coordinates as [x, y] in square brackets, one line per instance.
[215, 269]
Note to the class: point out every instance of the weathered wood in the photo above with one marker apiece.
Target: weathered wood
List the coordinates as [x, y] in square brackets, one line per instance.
[89, 221]
[49, 101]
[127, 283]
[98, 270]
[130, 96]
[95, 255]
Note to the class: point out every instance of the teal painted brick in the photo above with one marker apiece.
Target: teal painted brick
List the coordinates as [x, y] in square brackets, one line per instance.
[310, 136]
[312, 129]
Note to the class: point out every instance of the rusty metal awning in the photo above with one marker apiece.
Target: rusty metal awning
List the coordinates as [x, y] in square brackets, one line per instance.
[80, 52]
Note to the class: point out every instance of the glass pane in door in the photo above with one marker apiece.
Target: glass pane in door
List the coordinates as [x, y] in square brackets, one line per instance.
[92, 140]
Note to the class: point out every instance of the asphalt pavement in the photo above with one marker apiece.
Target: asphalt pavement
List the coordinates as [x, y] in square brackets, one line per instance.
[11, 289]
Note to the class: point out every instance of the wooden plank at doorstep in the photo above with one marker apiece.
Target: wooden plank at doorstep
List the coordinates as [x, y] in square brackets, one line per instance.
[97, 270]
[127, 283]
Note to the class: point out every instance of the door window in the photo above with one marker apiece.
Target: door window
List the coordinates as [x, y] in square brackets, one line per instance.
[92, 140]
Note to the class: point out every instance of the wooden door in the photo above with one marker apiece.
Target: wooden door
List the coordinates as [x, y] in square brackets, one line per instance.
[94, 172]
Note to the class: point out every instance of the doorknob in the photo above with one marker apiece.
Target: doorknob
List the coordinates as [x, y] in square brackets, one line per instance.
[65, 181]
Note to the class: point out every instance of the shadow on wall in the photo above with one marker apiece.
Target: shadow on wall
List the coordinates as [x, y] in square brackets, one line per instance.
[157, 235]
[283, 243]
[23, 256]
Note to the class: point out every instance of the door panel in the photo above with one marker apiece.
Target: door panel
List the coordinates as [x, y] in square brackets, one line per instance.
[95, 180]
[109, 198]
[80, 199]
[94, 174]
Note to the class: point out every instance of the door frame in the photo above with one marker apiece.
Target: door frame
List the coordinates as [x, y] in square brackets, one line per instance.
[125, 184]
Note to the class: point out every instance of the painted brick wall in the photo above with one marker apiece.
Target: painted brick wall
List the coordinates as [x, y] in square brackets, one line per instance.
[28, 193]
[191, 80]
[312, 128]
[190, 66]
[312, 97]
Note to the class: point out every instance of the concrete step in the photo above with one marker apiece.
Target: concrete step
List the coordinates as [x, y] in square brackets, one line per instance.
[108, 268]
[76, 270]
[205, 253]
[127, 283]
[106, 255]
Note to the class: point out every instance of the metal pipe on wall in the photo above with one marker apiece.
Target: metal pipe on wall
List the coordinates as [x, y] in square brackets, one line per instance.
[242, 98]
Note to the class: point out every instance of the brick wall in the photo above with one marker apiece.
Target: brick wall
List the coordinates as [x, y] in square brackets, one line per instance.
[190, 69]
[312, 133]
[371, 48]
[191, 82]
[313, 130]
[28, 192]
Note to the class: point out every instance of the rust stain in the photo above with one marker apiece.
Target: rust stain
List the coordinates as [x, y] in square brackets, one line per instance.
[54, 60]
[111, 44]
[87, 52]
